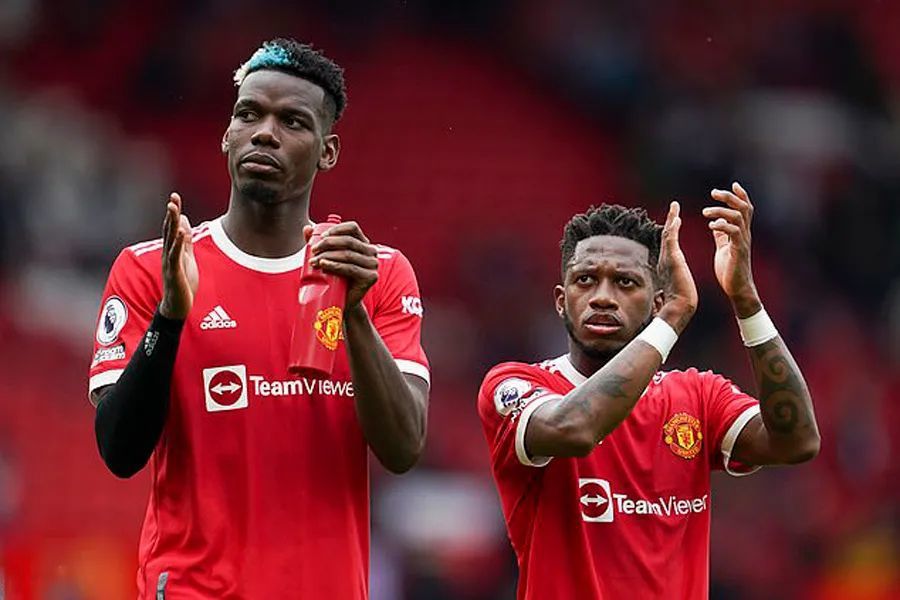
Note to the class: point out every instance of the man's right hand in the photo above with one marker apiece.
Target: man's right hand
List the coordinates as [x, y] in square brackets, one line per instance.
[680, 293]
[179, 268]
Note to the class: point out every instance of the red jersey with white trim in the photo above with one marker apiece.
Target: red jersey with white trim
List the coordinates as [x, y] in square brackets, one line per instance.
[260, 482]
[631, 519]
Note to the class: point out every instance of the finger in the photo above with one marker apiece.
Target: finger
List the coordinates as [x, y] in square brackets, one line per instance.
[173, 211]
[346, 256]
[350, 228]
[344, 242]
[174, 255]
[726, 197]
[735, 217]
[348, 271]
[672, 227]
[185, 224]
[741, 193]
[732, 231]
[307, 232]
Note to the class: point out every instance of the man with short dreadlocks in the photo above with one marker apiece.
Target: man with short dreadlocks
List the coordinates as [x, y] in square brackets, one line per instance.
[602, 459]
[259, 479]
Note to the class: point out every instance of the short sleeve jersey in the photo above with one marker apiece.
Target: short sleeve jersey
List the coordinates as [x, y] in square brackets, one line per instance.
[631, 519]
[260, 483]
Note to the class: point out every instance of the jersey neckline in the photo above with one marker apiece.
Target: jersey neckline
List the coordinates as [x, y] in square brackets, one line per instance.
[568, 370]
[255, 263]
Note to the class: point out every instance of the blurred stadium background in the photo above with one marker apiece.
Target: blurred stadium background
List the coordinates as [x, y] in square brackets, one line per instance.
[474, 130]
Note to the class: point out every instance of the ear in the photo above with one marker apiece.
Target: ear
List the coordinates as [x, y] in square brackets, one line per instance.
[658, 299]
[559, 297]
[225, 142]
[331, 148]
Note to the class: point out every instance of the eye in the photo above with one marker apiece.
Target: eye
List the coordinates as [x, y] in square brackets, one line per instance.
[245, 114]
[295, 122]
[584, 279]
[626, 282]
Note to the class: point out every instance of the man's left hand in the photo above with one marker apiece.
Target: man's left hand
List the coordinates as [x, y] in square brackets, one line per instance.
[730, 225]
[344, 250]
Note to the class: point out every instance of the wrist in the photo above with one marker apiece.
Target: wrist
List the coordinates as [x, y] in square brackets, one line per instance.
[660, 335]
[355, 313]
[165, 324]
[746, 304]
[757, 329]
[676, 317]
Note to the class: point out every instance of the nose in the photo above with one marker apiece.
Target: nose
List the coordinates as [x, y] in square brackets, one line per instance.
[265, 134]
[604, 296]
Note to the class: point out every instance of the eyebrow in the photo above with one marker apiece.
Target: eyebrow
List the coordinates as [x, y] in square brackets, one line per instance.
[638, 274]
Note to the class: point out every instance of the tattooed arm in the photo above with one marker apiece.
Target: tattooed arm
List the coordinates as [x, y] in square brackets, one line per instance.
[785, 432]
[572, 425]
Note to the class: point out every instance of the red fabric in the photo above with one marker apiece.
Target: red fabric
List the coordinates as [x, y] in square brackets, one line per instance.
[631, 520]
[260, 481]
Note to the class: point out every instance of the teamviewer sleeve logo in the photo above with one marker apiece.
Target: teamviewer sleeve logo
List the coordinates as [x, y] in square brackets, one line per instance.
[225, 388]
[595, 500]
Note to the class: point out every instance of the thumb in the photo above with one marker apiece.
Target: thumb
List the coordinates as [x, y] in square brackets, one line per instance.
[184, 224]
[307, 233]
[721, 239]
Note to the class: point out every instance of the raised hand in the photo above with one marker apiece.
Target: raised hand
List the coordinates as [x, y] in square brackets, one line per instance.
[345, 250]
[179, 268]
[679, 290]
[730, 225]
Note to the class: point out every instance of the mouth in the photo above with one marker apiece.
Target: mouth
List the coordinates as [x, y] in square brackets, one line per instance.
[256, 162]
[603, 324]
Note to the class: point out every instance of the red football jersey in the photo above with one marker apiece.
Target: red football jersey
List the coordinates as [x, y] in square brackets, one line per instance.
[631, 519]
[260, 482]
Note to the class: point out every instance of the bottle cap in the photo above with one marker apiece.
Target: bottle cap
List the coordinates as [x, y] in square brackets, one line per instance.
[333, 218]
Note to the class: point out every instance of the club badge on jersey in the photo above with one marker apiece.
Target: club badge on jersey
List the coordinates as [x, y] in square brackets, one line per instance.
[683, 435]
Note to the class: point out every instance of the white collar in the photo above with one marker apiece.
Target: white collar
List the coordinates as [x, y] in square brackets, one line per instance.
[568, 370]
[256, 263]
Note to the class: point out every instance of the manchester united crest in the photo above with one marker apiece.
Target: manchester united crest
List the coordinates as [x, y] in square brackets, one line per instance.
[683, 435]
[328, 326]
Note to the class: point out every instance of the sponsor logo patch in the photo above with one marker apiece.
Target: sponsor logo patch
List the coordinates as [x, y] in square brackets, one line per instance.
[113, 317]
[217, 318]
[225, 388]
[510, 394]
[599, 504]
[230, 388]
[682, 433]
[412, 305]
[107, 354]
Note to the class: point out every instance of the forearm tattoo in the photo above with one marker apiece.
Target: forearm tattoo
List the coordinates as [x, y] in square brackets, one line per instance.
[619, 384]
[784, 397]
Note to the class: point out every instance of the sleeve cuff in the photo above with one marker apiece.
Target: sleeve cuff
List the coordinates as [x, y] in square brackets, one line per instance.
[103, 379]
[522, 426]
[731, 437]
[411, 367]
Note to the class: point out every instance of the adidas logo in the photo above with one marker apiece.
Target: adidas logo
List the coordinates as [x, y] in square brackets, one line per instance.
[217, 319]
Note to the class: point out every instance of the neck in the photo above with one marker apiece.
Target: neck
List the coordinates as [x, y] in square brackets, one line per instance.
[587, 363]
[267, 230]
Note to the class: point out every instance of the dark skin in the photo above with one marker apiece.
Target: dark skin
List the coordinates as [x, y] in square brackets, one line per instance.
[608, 295]
[278, 139]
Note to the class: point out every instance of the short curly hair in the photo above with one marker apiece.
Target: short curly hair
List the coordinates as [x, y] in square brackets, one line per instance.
[302, 60]
[612, 219]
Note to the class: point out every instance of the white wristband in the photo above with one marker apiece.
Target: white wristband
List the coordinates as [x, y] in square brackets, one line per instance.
[757, 329]
[660, 335]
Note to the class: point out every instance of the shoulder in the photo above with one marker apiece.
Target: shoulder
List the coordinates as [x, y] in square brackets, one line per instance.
[517, 376]
[149, 252]
[508, 386]
[392, 260]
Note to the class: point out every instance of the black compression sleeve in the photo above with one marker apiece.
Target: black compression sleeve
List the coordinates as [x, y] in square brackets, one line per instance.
[131, 414]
